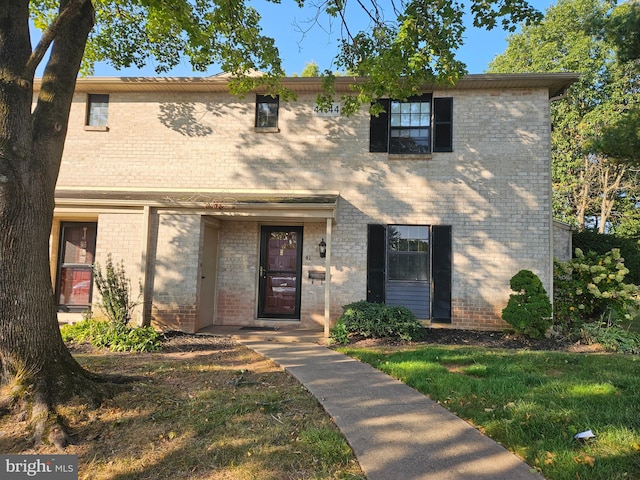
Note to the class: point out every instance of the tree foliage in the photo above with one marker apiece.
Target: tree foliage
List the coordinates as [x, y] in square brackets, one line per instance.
[590, 188]
[622, 28]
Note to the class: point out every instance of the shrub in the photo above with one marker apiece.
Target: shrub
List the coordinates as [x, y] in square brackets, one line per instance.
[115, 336]
[591, 287]
[529, 310]
[115, 292]
[339, 334]
[376, 320]
[611, 336]
[600, 243]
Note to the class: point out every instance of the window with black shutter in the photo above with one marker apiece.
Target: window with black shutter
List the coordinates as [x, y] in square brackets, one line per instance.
[419, 125]
[411, 266]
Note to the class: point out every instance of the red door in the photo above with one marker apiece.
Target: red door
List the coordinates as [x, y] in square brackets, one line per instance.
[280, 272]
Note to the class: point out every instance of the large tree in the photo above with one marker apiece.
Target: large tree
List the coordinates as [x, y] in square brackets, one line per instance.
[406, 44]
[590, 187]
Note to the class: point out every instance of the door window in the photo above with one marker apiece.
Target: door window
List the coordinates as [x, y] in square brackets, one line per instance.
[75, 271]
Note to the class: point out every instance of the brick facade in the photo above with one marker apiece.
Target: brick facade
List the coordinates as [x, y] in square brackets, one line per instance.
[493, 190]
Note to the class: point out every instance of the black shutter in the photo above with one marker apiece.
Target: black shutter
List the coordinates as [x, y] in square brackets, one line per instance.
[441, 273]
[443, 124]
[379, 129]
[376, 261]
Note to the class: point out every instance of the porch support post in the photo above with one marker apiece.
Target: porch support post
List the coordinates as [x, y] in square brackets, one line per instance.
[144, 263]
[327, 283]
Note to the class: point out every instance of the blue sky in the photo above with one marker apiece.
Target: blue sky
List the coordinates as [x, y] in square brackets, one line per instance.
[320, 45]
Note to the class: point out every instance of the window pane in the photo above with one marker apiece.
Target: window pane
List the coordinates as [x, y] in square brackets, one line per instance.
[408, 257]
[421, 267]
[410, 127]
[97, 110]
[266, 111]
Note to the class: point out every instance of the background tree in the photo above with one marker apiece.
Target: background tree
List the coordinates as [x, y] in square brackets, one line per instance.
[413, 44]
[618, 136]
[311, 69]
[590, 189]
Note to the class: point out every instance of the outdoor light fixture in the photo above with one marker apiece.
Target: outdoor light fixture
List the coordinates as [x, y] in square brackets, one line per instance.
[322, 248]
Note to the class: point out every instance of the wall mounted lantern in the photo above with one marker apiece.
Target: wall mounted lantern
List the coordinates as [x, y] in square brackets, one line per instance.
[322, 248]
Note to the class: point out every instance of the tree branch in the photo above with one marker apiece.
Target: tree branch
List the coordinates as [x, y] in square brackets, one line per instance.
[48, 36]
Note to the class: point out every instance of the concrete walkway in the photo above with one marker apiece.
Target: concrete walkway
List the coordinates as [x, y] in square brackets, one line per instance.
[395, 432]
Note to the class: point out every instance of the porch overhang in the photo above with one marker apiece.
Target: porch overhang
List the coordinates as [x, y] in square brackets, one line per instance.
[302, 205]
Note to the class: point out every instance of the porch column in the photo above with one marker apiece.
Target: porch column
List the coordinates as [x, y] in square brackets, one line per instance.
[144, 263]
[327, 283]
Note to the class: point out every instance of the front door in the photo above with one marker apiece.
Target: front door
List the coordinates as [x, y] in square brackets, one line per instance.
[208, 277]
[280, 272]
[75, 266]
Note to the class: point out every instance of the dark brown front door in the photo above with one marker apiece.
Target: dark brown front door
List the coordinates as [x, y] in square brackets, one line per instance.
[280, 272]
[75, 266]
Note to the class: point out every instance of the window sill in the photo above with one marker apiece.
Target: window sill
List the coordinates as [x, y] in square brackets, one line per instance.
[96, 128]
[267, 130]
[410, 156]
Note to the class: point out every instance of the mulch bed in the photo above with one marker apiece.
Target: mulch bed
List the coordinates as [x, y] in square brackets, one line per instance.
[174, 342]
[479, 338]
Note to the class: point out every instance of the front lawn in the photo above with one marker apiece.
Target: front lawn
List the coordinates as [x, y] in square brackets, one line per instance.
[205, 409]
[533, 402]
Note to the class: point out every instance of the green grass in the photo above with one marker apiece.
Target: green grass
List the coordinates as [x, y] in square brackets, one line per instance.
[534, 403]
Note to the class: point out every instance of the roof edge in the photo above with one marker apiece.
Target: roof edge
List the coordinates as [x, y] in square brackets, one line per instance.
[556, 82]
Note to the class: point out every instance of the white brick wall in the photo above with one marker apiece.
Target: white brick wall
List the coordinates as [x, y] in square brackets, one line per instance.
[494, 189]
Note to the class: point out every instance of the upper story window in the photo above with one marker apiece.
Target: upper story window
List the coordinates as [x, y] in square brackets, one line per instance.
[97, 110]
[419, 125]
[267, 111]
[410, 126]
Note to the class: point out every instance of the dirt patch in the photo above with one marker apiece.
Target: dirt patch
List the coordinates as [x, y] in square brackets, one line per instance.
[202, 408]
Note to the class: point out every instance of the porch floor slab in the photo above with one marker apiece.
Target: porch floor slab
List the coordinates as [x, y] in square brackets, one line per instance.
[394, 431]
[288, 334]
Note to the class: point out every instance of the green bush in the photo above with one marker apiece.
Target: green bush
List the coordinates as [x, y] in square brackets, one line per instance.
[115, 292]
[117, 337]
[376, 320]
[591, 287]
[529, 310]
[599, 243]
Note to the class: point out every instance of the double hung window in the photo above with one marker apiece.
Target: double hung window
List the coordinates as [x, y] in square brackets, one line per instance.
[97, 110]
[411, 265]
[410, 126]
[408, 253]
[267, 111]
[418, 125]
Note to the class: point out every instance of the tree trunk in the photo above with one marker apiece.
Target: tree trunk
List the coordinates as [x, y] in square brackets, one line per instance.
[33, 356]
[610, 190]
